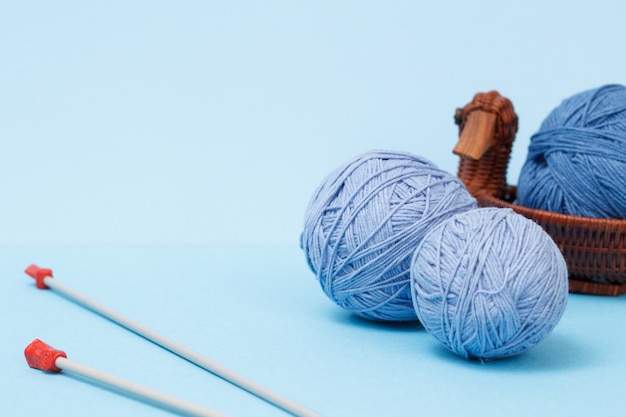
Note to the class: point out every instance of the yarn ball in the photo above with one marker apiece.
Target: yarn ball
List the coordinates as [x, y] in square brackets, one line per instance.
[364, 222]
[576, 162]
[489, 283]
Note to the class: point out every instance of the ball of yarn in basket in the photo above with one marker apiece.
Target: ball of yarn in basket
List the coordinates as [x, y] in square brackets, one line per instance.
[489, 283]
[364, 222]
[576, 162]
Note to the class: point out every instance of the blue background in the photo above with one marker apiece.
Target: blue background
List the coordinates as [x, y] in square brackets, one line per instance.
[213, 122]
[159, 156]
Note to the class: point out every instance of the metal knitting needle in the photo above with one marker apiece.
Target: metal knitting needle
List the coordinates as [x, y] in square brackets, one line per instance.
[40, 355]
[43, 280]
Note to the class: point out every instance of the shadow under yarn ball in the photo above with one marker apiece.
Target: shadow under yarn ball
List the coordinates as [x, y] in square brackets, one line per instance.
[489, 283]
[364, 222]
[576, 162]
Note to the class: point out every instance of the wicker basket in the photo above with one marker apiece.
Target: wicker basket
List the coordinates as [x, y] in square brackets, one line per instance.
[594, 249]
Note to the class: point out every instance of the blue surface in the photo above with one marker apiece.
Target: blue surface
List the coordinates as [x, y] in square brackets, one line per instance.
[259, 311]
[159, 156]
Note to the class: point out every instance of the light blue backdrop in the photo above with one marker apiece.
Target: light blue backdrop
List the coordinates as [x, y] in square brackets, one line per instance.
[213, 122]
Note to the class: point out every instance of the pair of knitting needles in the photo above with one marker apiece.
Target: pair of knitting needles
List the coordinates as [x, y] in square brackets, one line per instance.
[42, 356]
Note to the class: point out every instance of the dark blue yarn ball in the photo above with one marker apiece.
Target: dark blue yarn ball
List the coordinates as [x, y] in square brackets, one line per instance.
[576, 162]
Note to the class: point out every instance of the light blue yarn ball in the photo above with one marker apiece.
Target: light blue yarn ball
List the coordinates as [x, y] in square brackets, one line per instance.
[576, 162]
[489, 283]
[364, 222]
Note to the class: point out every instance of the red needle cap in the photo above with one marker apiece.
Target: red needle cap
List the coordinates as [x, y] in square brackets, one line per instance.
[40, 355]
[39, 274]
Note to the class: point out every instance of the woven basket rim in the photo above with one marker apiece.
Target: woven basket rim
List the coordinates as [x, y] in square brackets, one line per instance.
[559, 218]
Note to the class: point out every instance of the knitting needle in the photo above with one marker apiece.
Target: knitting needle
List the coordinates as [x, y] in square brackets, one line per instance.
[40, 355]
[43, 280]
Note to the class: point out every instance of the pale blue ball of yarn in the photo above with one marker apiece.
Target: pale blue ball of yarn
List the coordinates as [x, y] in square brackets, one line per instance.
[489, 283]
[364, 222]
[576, 162]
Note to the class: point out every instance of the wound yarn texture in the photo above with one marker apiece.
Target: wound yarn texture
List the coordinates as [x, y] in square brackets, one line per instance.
[489, 283]
[576, 162]
[364, 222]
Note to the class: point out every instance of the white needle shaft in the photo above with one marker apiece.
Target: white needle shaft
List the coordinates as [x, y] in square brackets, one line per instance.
[175, 404]
[182, 351]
